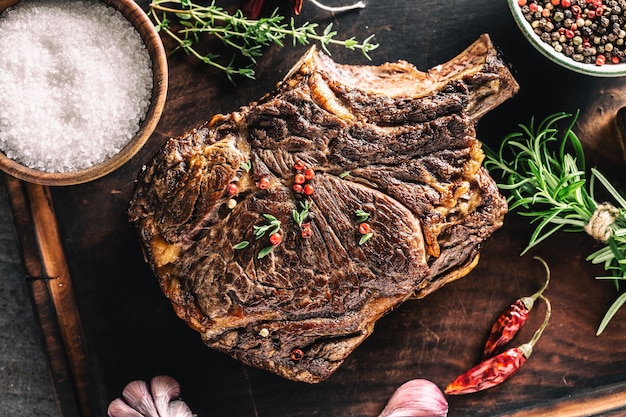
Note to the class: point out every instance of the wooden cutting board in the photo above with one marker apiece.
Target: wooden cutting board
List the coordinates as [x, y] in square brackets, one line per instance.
[105, 322]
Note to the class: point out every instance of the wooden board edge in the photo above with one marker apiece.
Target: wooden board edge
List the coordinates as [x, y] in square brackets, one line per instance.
[605, 401]
[52, 295]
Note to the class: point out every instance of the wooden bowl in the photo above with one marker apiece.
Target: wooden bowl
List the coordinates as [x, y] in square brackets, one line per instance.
[606, 70]
[138, 18]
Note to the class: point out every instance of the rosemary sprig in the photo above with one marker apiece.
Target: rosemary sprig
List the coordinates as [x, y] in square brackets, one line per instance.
[247, 37]
[546, 178]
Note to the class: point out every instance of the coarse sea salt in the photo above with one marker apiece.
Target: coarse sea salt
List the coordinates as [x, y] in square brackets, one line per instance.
[75, 83]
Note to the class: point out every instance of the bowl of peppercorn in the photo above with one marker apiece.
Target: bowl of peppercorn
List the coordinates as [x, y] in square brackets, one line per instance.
[585, 36]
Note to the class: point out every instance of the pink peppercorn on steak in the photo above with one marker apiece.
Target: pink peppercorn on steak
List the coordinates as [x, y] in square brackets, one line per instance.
[283, 231]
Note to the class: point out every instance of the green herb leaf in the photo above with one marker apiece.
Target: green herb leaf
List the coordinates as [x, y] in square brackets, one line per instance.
[300, 216]
[264, 252]
[246, 165]
[344, 174]
[246, 37]
[272, 227]
[365, 238]
[241, 245]
[361, 216]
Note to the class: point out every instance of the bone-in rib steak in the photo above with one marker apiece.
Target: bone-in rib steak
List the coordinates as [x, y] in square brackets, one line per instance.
[251, 221]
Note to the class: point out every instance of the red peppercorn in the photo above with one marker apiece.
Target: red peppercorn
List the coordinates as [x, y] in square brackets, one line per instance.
[591, 14]
[232, 189]
[364, 228]
[297, 355]
[555, 2]
[566, 4]
[276, 238]
[307, 189]
[264, 183]
[521, 3]
[569, 34]
[298, 165]
[600, 60]
[576, 10]
[299, 179]
[599, 11]
[546, 13]
[533, 7]
[615, 59]
[297, 188]
[307, 232]
[309, 174]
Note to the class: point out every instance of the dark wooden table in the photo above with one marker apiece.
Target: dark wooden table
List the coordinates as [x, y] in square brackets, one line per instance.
[106, 323]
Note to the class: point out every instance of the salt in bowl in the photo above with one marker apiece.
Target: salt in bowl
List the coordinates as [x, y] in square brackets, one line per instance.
[156, 101]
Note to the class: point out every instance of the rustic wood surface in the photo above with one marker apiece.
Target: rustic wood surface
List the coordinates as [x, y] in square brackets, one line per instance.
[130, 331]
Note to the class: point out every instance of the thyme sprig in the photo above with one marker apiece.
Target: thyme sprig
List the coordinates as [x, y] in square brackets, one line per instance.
[543, 170]
[272, 227]
[300, 216]
[247, 37]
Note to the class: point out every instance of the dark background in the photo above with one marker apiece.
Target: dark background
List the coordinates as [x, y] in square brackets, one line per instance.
[133, 334]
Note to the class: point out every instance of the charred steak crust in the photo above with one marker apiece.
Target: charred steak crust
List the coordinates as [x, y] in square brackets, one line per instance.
[389, 140]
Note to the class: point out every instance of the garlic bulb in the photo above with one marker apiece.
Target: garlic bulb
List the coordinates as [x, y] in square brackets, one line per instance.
[160, 399]
[416, 398]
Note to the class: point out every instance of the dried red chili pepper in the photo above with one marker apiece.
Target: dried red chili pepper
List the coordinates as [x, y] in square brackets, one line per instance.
[490, 372]
[497, 369]
[511, 320]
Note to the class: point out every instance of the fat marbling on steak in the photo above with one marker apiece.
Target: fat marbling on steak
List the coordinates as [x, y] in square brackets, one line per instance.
[388, 140]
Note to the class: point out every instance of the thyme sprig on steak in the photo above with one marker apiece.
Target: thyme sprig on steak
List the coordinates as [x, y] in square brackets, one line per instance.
[543, 169]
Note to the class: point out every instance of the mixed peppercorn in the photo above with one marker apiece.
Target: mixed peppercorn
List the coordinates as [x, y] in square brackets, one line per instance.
[587, 31]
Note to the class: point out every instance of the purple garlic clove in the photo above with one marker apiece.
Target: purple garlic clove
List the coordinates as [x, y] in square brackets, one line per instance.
[164, 389]
[161, 399]
[179, 408]
[138, 396]
[118, 408]
[416, 398]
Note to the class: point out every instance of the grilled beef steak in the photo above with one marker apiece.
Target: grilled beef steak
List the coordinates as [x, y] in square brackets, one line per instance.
[283, 231]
